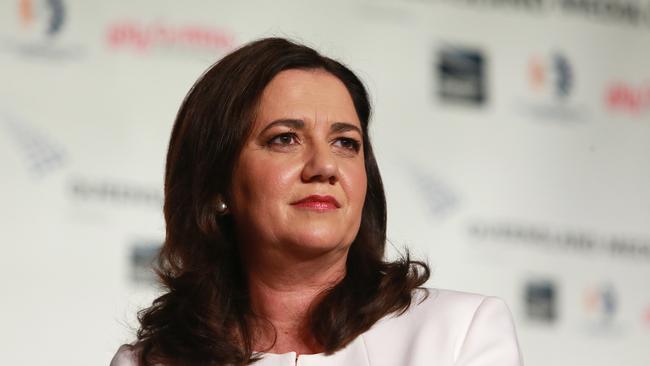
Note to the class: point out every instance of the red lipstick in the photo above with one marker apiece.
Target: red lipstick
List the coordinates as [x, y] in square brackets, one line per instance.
[318, 203]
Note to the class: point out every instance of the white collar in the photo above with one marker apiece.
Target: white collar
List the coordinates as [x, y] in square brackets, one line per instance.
[354, 353]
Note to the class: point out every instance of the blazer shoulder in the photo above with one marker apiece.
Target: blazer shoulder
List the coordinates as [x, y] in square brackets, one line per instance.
[125, 356]
[434, 303]
[442, 311]
[490, 338]
[441, 298]
[458, 327]
[482, 326]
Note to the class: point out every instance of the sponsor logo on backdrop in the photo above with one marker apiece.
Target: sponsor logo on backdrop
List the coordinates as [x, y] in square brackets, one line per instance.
[600, 306]
[439, 198]
[461, 75]
[532, 6]
[550, 81]
[629, 12]
[558, 240]
[52, 23]
[41, 154]
[645, 317]
[143, 262]
[115, 192]
[40, 26]
[142, 37]
[554, 76]
[623, 12]
[633, 100]
[541, 301]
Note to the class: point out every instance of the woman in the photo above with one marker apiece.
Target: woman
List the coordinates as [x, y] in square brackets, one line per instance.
[276, 227]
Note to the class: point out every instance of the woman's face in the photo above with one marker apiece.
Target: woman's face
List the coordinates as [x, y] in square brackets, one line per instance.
[300, 183]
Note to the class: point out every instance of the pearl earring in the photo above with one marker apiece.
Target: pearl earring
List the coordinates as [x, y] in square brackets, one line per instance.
[221, 207]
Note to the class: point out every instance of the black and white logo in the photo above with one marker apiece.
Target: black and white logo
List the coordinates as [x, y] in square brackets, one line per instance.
[461, 75]
[540, 298]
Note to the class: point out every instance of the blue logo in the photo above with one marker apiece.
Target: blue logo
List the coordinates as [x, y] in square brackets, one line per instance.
[601, 304]
[53, 20]
[42, 24]
[554, 75]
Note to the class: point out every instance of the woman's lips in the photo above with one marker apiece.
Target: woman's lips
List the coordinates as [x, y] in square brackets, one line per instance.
[317, 202]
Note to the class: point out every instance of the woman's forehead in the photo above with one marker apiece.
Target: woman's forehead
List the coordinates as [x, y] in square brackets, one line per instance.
[309, 95]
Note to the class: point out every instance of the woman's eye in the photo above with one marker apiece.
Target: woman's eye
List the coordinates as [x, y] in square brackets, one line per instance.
[348, 143]
[288, 138]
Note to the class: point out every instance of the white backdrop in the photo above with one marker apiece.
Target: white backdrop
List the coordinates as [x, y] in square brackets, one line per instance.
[513, 138]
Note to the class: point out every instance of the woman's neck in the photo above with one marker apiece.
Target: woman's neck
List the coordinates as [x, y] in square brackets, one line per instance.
[282, 293]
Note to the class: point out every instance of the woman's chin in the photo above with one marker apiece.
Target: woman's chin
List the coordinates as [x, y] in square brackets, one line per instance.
[310, 245]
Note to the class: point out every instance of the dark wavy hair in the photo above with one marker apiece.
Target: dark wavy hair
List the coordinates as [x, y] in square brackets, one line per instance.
[204, 317]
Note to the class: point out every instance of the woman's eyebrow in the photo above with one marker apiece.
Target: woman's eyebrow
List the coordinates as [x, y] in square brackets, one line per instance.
[296, 124]
[343, 127]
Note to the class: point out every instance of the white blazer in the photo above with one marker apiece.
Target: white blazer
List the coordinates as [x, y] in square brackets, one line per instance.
[447, 328]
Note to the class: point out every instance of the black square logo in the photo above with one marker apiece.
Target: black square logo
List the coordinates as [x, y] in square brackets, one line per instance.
[143, 262]
[461, 75]
[541, 299]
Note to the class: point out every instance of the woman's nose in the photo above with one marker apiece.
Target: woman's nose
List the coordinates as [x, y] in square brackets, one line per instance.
[320, 165]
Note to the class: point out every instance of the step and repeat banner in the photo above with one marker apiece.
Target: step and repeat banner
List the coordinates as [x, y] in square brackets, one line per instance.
[513, 138]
